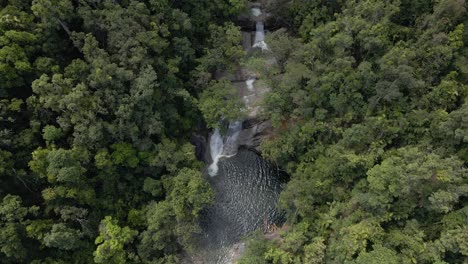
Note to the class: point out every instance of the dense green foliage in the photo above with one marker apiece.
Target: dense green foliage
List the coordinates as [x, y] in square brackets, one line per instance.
[99, 98]
[369, 104]
[97, 106]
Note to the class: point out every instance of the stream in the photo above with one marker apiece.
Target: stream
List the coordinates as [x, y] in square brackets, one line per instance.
[246, 186]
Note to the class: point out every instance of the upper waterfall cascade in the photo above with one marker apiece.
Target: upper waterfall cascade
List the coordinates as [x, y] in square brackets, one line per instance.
[227, 146]
[250, 83]
[255, 11]
[259, 41]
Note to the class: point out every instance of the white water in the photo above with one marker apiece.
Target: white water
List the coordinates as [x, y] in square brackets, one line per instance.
[259, 41]
[259, 32]
[250, 83]
[247, 100]
[216, 151]
[230, 146]
[256, 11]
[226, 147]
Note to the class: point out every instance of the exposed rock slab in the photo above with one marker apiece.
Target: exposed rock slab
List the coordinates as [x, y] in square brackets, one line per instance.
[253, 132]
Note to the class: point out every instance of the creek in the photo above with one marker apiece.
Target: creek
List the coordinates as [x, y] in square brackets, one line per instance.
[246, 186]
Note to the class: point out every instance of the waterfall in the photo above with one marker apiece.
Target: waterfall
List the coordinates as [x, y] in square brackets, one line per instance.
[256, 11]
[247, 100]
[223, 147]
[246, 186]
[250, 83]
[259, 41]
[216, 151]
[259, 32]
[230, 146]
[227, 145]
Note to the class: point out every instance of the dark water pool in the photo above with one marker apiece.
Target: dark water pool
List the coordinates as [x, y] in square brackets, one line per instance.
[247, 189]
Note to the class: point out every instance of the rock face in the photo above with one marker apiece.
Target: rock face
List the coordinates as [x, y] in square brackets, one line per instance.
[250, 85]
[253, 132]
[236, 252]
[199, 141]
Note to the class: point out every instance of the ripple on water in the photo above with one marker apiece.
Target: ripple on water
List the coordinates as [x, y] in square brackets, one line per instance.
[246, 189]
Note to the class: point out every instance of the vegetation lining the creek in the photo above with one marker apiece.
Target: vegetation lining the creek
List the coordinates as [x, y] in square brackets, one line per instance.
[99, 99]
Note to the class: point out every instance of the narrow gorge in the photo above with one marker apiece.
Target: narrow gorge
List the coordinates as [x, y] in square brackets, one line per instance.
[246, 186]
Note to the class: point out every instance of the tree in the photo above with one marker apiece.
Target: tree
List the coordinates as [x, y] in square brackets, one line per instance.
[63, 237]
[223, 53]
[380, 254]
[111, 242]
[220, 101]
[13, 220]
[98, 100]
[53, 15]
[18, 43]
[410, 179]
[172, 222]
